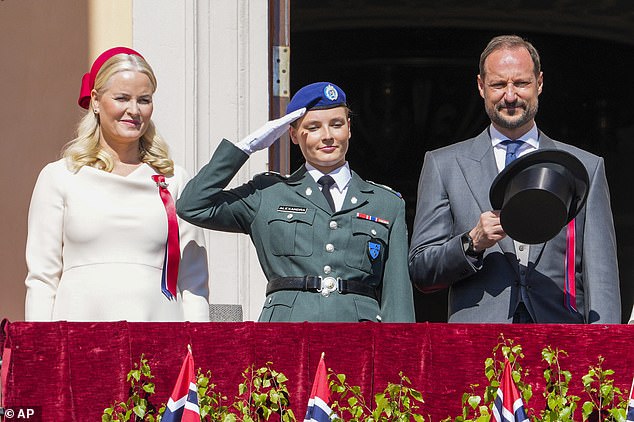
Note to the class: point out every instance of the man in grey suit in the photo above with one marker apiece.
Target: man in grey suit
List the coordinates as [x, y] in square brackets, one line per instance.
[458, 241]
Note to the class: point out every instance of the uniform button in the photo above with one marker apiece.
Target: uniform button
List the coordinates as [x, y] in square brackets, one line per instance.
[522, 272]
[289, 216]
[522, 247]
[333, 225]
[327, 269]
[330, 247]
[270, 300]
[309, 191]
[373, 232]
[353, 199]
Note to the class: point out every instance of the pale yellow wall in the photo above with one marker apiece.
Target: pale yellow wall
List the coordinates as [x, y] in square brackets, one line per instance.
[45, 48]
[109, 25]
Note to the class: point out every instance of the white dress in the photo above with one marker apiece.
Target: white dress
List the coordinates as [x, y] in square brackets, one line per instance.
[96, 244]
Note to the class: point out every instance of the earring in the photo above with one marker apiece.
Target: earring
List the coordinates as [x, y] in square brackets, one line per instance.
[95, 111]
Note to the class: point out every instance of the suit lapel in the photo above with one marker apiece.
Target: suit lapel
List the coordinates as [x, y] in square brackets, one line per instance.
[545, 142]
[478, 167]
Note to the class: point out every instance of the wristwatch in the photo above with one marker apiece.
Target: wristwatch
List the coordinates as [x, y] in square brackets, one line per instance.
[467, 246]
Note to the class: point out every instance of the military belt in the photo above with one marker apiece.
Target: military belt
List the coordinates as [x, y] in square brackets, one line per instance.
[322, 285]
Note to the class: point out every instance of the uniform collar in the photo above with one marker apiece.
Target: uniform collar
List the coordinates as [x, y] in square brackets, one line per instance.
[341, 175]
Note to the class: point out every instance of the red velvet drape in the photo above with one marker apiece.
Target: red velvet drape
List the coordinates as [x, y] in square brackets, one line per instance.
[72, 371]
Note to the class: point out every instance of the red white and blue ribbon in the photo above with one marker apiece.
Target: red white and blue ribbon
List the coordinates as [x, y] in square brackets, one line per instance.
[372, 218]
[570, 290]
[172, 258]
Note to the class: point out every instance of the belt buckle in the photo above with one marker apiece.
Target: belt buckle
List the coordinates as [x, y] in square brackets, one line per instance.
[328, 285]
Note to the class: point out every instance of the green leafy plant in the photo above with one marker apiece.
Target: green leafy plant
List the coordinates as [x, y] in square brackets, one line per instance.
[606, 402]
[262, 394]
[211, 403]
[355, 408]
[137, 407]
[398, 402]
[477, 408]
[560, 405]
[472, 409]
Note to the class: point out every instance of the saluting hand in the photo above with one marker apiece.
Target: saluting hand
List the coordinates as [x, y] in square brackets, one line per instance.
[265, 136]
[488, 231]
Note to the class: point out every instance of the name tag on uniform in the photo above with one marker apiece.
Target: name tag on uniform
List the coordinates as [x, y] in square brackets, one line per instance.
[291, 209]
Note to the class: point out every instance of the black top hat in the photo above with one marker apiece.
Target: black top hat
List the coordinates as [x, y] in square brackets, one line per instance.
[538, 194]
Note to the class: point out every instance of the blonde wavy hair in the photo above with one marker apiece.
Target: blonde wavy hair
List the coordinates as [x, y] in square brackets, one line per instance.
[85, 149]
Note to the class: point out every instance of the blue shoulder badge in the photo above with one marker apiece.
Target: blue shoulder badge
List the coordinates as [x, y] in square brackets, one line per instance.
[389, 189]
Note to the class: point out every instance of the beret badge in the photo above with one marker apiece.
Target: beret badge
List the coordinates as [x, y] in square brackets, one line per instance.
[330, 92]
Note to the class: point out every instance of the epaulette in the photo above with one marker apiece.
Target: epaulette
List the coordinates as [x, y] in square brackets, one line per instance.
[387, 188]
[274, 174]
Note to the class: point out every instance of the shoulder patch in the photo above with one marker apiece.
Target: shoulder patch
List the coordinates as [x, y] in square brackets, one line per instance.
[387, 188]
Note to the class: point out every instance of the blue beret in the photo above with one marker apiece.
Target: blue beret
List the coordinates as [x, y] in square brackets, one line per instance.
[318, 95]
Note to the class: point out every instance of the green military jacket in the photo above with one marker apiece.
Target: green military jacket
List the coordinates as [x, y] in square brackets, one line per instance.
[295, 234]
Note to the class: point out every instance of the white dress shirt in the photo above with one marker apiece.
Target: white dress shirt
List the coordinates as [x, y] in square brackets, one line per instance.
[338, 190]
[530, 138]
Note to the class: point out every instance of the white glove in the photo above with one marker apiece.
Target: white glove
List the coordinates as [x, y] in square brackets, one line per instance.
[265, 136]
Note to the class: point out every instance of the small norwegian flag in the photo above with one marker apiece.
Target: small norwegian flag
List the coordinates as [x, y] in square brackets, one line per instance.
[319, 402]
[183, 403]
[629, 417]
[508, 405]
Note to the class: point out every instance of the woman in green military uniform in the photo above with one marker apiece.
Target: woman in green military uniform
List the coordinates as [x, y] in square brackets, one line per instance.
[332, 246]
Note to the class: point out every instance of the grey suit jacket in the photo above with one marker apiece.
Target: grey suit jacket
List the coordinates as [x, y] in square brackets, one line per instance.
[454, 190]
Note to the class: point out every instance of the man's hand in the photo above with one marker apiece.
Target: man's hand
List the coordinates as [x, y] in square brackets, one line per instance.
[488, 231]
[265, 136]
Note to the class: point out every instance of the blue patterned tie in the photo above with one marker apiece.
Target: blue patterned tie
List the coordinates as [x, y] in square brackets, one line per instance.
[511, 150]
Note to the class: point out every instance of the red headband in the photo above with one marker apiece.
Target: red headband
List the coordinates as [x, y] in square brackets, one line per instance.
[88, 81]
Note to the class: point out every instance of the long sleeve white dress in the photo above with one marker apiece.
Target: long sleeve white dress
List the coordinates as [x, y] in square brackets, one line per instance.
[96, 244]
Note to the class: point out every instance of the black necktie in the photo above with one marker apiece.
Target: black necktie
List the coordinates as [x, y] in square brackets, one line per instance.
[511, 150]
[326, 182]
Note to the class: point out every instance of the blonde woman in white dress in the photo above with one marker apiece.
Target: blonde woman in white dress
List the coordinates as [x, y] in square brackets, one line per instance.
[99, 220]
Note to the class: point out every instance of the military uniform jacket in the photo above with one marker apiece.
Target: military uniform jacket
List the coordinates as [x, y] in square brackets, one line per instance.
[296, 234]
